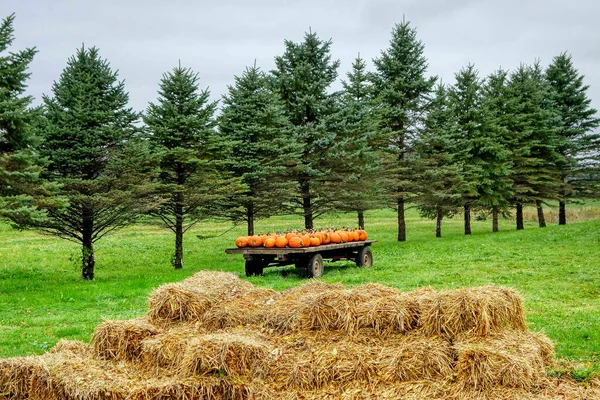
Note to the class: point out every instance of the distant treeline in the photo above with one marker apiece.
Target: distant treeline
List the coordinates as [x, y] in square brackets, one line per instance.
[84, 163]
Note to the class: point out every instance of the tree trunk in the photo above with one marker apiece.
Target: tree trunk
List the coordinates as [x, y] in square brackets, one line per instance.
[519, 216]
[401, 220]
[540, 212]
[178, 261]
[306, 204]
[467, 218]
[361, 219]
[87, 251]
[562, 213]
[495, 213]
[250, 219]
[438, 222]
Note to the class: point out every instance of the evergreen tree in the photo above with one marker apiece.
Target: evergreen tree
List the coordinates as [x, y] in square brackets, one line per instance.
[499, 188]
[256, 131]
[578, 146]
[358, 188]
[190, 179]
[302, 77]
[89, 142]
[483, 154]
[437, 175]
[401, 89]
[532, 140]
[21, 191]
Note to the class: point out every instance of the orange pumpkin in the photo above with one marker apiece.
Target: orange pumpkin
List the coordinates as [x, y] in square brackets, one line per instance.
[326, 239]
[335, 237]
[281, 241]
[343, 236]
[255, 241]
[306, 240]
[296, 242]
[241, 242]
[355, 237]
[269, 242]
[362, 234]
[290, 235]
[315, 241]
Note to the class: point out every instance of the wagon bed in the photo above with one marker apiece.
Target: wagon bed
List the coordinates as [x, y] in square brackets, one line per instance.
[309, 258]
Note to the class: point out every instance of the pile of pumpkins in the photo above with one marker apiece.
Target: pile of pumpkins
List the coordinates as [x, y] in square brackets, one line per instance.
[298, 239]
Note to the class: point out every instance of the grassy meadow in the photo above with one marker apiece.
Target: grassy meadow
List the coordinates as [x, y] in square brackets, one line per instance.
[556, 269]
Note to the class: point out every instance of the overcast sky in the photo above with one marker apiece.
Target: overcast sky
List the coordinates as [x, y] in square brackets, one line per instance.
[144, 38]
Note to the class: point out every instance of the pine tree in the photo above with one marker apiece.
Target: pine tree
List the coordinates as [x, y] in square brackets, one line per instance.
[577, 145]
[89, 142]
[256, 131]
[190, 179]
[532, 140]
[358, 188]
[401, 89]
[302, 77]
[499, 188]
[21, 192]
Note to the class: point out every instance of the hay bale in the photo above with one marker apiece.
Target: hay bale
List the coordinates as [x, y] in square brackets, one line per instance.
[15, 376]
[413, 358]
[208, 388]
[188, 300]
[64, 376]
[390, 314]
[479, 311]
[121, 340]
[512, 359]
[71, 346]
[243, 310]
[165, 350]
[228, 354]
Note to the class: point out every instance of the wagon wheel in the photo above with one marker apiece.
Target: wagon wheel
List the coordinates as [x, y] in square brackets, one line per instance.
[315, 266]
[249, 267]
[364, 258]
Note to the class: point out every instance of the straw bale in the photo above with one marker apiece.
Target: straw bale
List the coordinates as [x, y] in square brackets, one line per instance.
[244, 310]
[15, 376]
[511, 359]
[165, 350]
[66, 376]
[72, 346]
[208, 388]
[390, 314]
[414, 357]
[121, 339]
[478, 310]
[228, 354]
[174, 302]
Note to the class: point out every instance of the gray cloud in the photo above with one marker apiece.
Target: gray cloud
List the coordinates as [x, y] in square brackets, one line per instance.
[143, 39]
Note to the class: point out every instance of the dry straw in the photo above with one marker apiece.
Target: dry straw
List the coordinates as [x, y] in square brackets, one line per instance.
[479, 311]
[121, 339]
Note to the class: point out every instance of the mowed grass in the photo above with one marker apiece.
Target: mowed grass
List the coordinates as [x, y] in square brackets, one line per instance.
[556, 269]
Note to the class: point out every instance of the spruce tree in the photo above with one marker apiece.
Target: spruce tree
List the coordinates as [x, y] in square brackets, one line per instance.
[89, 142]
[256, 131]
[532, 140]
[358, 188]
[302, 76]
[578, 145]
[182, 137]
[495, 103]
[402, 88]
[437, 174]
[482, 151]
[21, 191]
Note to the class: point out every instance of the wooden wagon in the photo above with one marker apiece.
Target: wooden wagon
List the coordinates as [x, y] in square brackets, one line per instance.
[308, 258]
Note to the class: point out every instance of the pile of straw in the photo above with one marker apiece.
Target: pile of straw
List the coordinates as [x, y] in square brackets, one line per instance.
[214, 336]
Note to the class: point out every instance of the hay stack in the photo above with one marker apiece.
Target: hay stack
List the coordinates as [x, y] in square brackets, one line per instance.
[244, 354]
[188, 300]
[71, 346]
[512, 359]
[479, 311]
[121, 340]
[15, 376]
[165, 350]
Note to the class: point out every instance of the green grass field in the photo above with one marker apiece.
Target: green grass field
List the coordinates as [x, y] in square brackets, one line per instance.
[556, 269]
